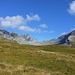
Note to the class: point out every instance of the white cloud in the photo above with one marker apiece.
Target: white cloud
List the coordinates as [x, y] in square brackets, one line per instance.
[12, 22]
[33, 17]
[35, 30]
[43, 26]
[22, 27]
[1, 18]
[21, 23]
[27, 28]
[38, 30]
[51, 31]
[71, 10]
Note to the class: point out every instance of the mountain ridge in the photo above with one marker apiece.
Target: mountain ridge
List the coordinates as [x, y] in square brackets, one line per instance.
[65, 39]
[26, 39]
[21, 39]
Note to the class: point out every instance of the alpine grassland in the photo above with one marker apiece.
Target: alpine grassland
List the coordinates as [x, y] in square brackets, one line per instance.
[16, 59]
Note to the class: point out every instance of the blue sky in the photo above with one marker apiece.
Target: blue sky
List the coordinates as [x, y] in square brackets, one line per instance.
[42, 19]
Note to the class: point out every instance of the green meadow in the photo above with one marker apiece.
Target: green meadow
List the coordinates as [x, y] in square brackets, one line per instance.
[16, 59]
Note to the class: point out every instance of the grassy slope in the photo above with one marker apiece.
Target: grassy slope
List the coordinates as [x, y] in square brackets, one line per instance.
[18, 59]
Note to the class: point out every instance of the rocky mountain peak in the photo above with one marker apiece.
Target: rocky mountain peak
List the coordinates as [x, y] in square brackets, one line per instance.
[13, 34]
[73, 32]
[63, 39]
[2, 31]
[21, 39]
[28, 37]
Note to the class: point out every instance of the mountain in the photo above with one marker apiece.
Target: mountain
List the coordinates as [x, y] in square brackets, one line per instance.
[21, 39]
[66, 39]
[63, 39]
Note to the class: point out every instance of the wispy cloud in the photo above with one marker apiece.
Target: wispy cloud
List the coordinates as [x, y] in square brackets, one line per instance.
[33, 17]
[27, 28]
[38, 30]
[21, 23]
[43, 26]
[71, 9]
[52, 31]
[12, 22]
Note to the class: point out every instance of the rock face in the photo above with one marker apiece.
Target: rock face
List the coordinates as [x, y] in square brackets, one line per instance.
[21, 39]
[64, 39]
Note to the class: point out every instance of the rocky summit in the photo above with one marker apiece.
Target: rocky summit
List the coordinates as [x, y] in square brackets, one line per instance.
[21, 39]
[65, 39]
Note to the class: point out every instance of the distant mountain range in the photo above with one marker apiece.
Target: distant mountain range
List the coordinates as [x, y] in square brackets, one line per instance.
[26, 39]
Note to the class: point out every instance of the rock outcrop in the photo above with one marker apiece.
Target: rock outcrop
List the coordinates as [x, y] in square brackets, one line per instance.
[21, 39]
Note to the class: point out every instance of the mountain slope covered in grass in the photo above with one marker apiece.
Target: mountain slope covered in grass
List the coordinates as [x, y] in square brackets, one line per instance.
[16, 59]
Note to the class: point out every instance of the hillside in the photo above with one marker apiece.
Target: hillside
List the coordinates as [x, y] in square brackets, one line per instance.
[18, 59]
